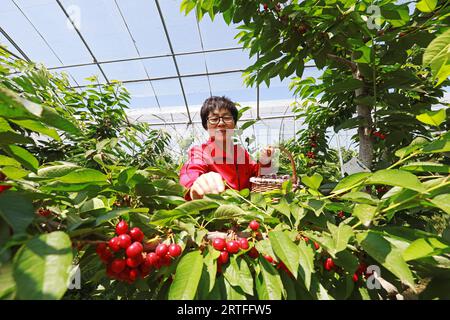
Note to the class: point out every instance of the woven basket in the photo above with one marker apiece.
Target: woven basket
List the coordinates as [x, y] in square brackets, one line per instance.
[263, 183]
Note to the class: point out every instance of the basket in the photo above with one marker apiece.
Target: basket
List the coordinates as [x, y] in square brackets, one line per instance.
[263, 183]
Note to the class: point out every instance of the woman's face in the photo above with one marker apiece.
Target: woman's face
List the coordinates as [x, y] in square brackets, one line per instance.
[220, 124]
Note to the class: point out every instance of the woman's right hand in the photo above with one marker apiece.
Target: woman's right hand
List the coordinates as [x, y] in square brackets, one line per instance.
[207, 183]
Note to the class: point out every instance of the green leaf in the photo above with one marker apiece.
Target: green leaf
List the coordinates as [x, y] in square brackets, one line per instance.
[361, 197]
[57, 170]
[83, 175]
[341, 235]
[283, 207]
[197, 205]
[433, 118]
[286, 250]
[117, 213]
[312, 182]
[386, 254]
[306, 259]
[187, 277]
[10, 137]
[37, 126]
[416, 144]
[395, 177]
[422, 248]
[426, 167]
[91, 205]
[442, 202]
[233, 293]
[350, 182]
[437, 56]
[211, 266]
[17, 210]
[23, 156]
[14, 172]
[268, 282]
[426, 5]
[42, 267]
[238, 274]
[364, 213]
[7, 284]
[226, 211]
[7, 161]
[437, 146]
[347, 85]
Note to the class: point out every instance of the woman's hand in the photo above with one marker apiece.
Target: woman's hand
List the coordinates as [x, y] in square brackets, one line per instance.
[207, 183]
[266, 155]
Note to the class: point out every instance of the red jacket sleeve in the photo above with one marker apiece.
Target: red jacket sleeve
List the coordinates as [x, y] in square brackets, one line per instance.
[194, 167]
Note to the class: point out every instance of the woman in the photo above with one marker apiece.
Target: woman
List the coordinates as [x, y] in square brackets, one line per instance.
[219, 159]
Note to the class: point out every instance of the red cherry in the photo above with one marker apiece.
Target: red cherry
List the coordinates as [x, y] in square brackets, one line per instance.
[165, 261]
[355, 277]
[134, 249]
[312, 144]
[219, 244]
[106, 256]
[122, 227]
[243, 243]
[329, 264]
[341, 214]
[3, 188]
[114, 244]
[110, 273]
[161, 250]
[232, 246]
[361, 268]
[174, 250]
[144, 270]
[136, 234]
[253, 253]
[124, 241]
[101, 247]
[268, 258]
[44, 212]
[316, 245]
[134, 262]
[254, 225]
[118, 265]
[152, 259]
[134, 273]
[223, 258]
[266, 7]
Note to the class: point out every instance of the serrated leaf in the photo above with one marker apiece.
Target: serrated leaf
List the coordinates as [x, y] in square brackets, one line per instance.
[350, 182]
[433, 118]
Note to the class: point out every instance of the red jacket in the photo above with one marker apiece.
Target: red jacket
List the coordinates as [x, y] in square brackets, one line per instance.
[236, 171]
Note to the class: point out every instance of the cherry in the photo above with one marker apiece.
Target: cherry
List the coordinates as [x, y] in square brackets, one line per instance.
[44, 212]
[134, 262]
[341, 214]
[232, 246]
[174, 250]
[144, 270]
[329, 264]
[106, 256]
[254, 225]
[316, 245]
[161, 250]
[136, 234]
[134, 273]
[355, 277]
[268, 258]
[165, 261]
[306, 239]
[266, 7]
[313, 144]
[124, 241]
[101, 247]
[122, 227]
[219, 244]
[243, 243]
[118, 265]
[134, 249]
[152, 259]
[253, 253]
[361, 268]
[114, 244]
[223, 258]
[3, 188]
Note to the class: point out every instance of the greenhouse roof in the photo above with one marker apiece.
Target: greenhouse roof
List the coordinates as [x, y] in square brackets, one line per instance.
[169, 62]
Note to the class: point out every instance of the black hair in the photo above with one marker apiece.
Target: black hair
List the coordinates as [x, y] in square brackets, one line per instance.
[213, 103]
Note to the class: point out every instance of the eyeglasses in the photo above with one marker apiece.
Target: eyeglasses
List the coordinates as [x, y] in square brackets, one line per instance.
[216, 120]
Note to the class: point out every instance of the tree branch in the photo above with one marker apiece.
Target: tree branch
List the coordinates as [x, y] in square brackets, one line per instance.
[353, 67]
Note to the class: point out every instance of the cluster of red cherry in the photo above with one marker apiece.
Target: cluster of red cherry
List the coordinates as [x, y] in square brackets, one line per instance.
[362, 269]
[126, 259]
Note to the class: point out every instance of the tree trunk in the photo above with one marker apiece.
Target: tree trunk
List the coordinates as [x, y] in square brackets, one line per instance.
[365, 114]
